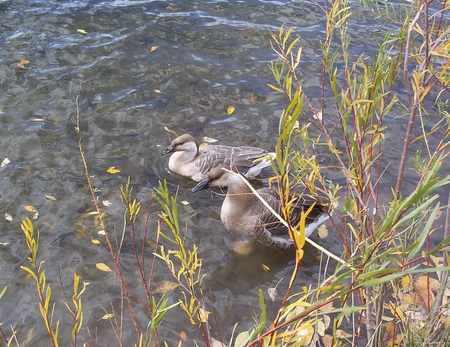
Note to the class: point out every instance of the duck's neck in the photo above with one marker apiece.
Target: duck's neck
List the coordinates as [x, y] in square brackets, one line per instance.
[238, 194]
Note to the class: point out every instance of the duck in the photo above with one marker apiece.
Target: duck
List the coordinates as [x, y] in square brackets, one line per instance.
[193, 161]
[244, 213]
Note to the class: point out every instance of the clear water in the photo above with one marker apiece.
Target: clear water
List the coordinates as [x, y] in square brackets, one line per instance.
[210, 55]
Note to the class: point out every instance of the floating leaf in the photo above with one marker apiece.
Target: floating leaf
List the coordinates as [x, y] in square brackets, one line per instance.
[171, 131]
[184, 202]
[8, 217]
[95, 241]
[50, 197]
[30, 208]
[157, 91]
[22, 63]
[81, 31]
[107, 316]
[103, 267]
[165, 286]
[35, 216]
[230, 110]
[106, 203]
[5, 161]
[112, 170]
[209, 139]
[265, 267]
[272, 293]
[153, 48]
[101, 232]
[318, 115]
[183, 336]
[323, 231]
[171, 8]
[201, 119]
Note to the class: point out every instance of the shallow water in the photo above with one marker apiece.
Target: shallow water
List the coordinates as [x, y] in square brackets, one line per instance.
[210, 55]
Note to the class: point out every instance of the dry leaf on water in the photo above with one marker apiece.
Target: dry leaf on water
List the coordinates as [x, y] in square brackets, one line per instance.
[107, 316]
[22, 63]
[272, 293]
[82, 31]
[50, 197]
[8, 217]
[95, 241]
[323, 231]
[183, 336]
[107, 203]
[103, 267]
[153, 48]
[265, 267]
[209, 139]
[5, 161]
[30, 208]
[112, 170]
[165, 286]
[185, 202]
[230, 110]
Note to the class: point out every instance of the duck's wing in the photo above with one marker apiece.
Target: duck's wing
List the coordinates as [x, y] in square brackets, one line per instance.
[241, 158]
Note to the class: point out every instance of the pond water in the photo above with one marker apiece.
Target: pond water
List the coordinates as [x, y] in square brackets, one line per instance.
[143, 66]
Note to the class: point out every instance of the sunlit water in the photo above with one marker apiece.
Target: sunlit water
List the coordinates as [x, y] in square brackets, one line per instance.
[206, 56]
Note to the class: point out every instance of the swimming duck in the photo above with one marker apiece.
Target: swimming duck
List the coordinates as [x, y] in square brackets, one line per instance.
[243, 213]
[194, 161]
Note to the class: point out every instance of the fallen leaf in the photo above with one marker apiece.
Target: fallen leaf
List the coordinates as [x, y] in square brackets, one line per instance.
[112, 170]
[183, 336]
[201, 119]
[103, 267]
[1, 111]
[35, 216]
[320, 326]
[323, 231]
[5, 161]
[406, 281]
[184, 202]
[81, 31]
[272, 293]
[106, 203]
[153, 48]
[101, 232]
[107, 316]
[157, 91]
[318, 115]
[171, 8]
[433, 283]
[8, 217]
[341, 334]
[327, 340]
[230, 110]
[203, 315]
[242, 338]
[165, 286]
[408, 298]
[265, 267]
[22, 63]
[171, 131]
[209, 139]
[30, 208]
[50, 197]
[95, 241]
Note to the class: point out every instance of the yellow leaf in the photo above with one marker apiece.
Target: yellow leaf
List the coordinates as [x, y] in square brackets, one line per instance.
[81, 31]
[112, 170]
[165, 286]
[230, 110]
[153, 48]
[157, 91]
[171, 8]
[265, 267]
[95, 241]
[275, 88]
[103, 267]
[405, 282]
[209, 139]
[8, 217]
[22, 63]
[408, 298]
[107, 316]
[5, 161]
[50, 197]
[35, 216]
[433, 283]
[30, 208]
[171, 131]
[184, 202]
[323, 231]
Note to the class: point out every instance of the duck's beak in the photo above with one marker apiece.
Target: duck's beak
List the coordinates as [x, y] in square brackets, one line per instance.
[168, 150]
[203, 184]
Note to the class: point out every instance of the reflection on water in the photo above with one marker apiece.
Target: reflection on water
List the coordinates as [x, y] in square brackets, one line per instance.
[142, 66]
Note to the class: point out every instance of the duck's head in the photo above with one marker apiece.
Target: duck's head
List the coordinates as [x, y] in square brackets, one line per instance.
[183, 143]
